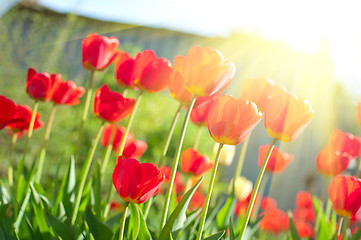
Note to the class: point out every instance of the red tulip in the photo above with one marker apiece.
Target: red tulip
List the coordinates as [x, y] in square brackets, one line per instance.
[274, 221]
[195, 163]
[23, 115]
[304, 200]
[197, 201]
[67, 93]
[330, 163]
[345, 194]
[136, 182]
[304, 214]
[99, 51]
[345, 143]
[278, 160]
[268, 203]
[7, 111]
[230, 119]
[286, 116]
[176, 83]
[178, 180]
[304, 230]
[259, 91]
[124, 65]
[206, 72]
[202, 105]
[111, 106]
[41, 86]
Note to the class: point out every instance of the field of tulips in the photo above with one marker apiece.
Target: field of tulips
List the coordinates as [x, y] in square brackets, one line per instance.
[178, 194]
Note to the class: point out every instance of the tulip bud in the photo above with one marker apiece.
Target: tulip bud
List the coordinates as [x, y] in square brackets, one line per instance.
[242, 188]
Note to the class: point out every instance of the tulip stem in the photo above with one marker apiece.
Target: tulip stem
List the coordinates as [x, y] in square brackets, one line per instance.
[260, 195]
[108, 151]
[85, 112]
[339, 228]
[197, 138]
[358, 168]
[11, 160]
[175, 163]
[328, 209]
[210, 188]
[84, 173]
[170, 134]
[45, 142]
[255, 189]
[122, 223]
[129, 124]
[344, 228]
[30, 133]
[240, 160]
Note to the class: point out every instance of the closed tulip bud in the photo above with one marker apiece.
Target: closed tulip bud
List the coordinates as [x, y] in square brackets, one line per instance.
[227, 154]
[345, 194]
[345, 143]
[278, 160]
[242, 187]
[231, 120]
[41, 86]
[206, 72]
[330, 163]
[99, 51]
[136, 182]
[286, 116]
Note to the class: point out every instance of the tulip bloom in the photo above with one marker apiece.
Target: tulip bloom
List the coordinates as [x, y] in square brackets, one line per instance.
[330, 163]
[176, 82]
[230, 119]
[274, 221]
[111, 106]
[195, 163]
[242, 188]
[278, 160]
[258, 91]
[124, 65]
[23, 116]
[7, 111]
[136, 182]
[304, 230]
[304, 200]
[268, 203]
[197, 201]
[345, 194]
[304, 214]
[206, 72]
[41, 86]
[67, 93]
[345, 143]
[227, 154]
[202, 105]
[99, 51]
[286, 116]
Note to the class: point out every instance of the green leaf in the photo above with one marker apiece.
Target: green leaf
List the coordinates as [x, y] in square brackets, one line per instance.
[231, 233]
[226, 212]
[357, 235]
[60, 228]
[178, 216]
[134, 222]
[324, 231]
[212, 214]
[292, 227]
[21, 189]
[215, 236]
[143, 230]
[97, 192]
[98, 229]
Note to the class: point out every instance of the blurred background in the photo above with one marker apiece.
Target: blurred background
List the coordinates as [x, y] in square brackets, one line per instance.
[313, 48]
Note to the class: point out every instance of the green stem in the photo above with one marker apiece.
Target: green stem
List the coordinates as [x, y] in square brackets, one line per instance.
[11, 160]
[129, 124]
[175, 163]
[210, 188]
[240, 160]
[255, 189]
[122, 222]
[197, 137]
[30, 133]
[344, 228]
[328, 209]
[125, 92]
[260, 195]
[170, 134]
[358, 168]
[85, 112]
[108, 151]
[147, 206]
[84, 173]
[339, 228]
[45, 142]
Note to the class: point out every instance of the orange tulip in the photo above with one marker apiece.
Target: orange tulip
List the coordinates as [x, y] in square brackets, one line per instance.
[359, 111]
[345, 194]
[258, 91]
[278, 160]
[331, 163]
[195, 163]
[230, 119]
[274, 221]
[345, 143]
[206, 72]
[176, 84]
[286, 116]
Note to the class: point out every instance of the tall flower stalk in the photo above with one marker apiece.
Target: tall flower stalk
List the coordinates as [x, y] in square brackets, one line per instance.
[176, 162]
[255, 189]
[11, 160]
